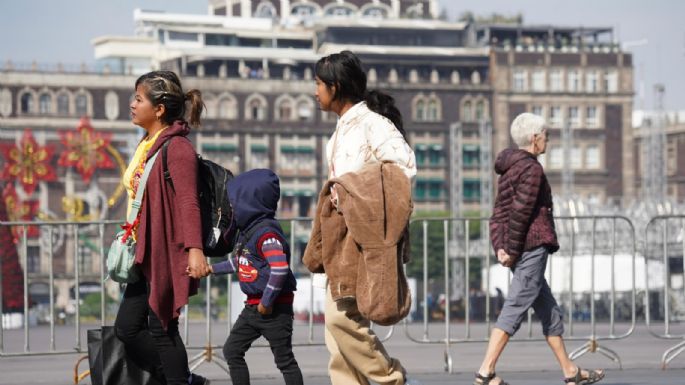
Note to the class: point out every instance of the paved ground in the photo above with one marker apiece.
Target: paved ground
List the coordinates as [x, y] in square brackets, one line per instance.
[524, 362]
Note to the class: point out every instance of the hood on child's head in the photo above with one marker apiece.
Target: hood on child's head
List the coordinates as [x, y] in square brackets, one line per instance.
[254, 196]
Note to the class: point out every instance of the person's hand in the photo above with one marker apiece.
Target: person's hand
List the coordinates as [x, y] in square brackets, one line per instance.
[197, 264]
[505, 259]
[264, 310]
[211, 270]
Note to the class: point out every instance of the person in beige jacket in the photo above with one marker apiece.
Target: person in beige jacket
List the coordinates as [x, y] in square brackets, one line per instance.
[369, 130]
[366, 241]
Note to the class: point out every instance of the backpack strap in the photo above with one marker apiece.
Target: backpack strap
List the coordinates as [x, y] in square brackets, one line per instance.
[138, 200]
[165, 167]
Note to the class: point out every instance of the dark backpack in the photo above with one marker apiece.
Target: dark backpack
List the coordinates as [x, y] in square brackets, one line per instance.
[215, 210]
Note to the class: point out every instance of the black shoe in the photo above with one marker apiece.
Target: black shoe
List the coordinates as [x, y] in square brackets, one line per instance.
[199, 380]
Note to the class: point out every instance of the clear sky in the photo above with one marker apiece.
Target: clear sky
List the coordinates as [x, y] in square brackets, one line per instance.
[52, 31]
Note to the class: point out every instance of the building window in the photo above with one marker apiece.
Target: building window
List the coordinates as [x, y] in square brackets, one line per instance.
[303, 10]
[556, 120]
[467, 112]
[375, 13]
[339, 11]
[480, 111]
[228, 108]
[556, 80]
[520, 80]
[256, 108]
[592, 160]
[611, 81]
[592, 81]
[81, 105]
[436, 156]
[672, 158]
[556, 158]
[305, 109]
[574, 117]
[265, 10]
[539, 81]
[574, 81]
[420, 110]
[63, 104]
[471, 190]
[592, 117]
[183, 36]
[26, 103]
[433, 110]
[538, 110]
[45, 104]
[285, 110]
[471, 156]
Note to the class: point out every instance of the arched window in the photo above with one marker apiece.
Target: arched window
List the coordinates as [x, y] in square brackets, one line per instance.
[228, 107]
[45, 104]
[340, 10]
[63, 104]
[304, 10]
[81, 105]
[255, 108]
[265, 10]
[434, 110]
[467, 112]
[305, 109]
[420, 110]
[375, 11]
[284, 110]
[480, 110]
[26, 103]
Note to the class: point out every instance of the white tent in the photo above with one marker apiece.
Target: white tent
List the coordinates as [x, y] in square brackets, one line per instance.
[559, 277]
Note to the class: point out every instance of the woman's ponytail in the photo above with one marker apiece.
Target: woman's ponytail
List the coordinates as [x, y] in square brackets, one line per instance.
[194, 98]
[384, 104]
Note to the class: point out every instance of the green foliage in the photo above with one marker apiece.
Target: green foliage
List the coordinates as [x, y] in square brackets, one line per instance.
[90, 304]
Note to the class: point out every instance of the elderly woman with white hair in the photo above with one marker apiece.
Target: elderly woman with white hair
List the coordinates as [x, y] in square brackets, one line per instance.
[523, 235]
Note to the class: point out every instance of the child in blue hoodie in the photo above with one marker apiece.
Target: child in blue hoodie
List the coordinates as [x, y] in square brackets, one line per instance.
[261, 260]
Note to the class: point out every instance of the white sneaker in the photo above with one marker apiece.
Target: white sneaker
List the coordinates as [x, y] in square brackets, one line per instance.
[412, 381]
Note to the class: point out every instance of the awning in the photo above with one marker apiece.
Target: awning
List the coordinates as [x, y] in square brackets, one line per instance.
[259, 148]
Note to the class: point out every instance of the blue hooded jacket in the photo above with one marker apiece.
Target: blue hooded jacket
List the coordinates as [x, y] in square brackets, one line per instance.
[254, 199]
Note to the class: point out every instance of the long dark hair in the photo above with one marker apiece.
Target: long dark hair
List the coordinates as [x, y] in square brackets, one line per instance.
[344, 71]
[164, 87]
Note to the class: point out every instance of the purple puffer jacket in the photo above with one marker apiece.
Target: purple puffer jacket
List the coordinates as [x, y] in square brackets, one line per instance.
[522, 219]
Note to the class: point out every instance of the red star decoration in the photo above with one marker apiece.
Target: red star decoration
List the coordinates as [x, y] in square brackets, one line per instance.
[85, 149]
[28, 163]
[18, 210]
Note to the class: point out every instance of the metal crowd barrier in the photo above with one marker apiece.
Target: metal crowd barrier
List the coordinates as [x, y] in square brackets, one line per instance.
[665, 242]
[298, 227]
[48, 232]
[577, 235]
[569, 230]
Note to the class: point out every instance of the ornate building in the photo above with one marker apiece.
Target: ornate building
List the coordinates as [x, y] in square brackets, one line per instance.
[253, 62]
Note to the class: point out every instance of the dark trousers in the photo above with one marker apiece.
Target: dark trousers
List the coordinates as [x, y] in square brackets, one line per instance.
[158, 350]
[277, 329]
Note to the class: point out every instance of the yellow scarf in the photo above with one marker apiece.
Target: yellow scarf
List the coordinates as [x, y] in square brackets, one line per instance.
[136, 167]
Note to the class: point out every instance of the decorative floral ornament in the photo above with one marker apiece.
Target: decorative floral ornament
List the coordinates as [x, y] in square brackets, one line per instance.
[86, 150]
[18, 210]
[28, 163]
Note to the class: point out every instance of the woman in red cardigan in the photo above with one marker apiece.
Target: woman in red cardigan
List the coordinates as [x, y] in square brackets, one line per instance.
[167, 229]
